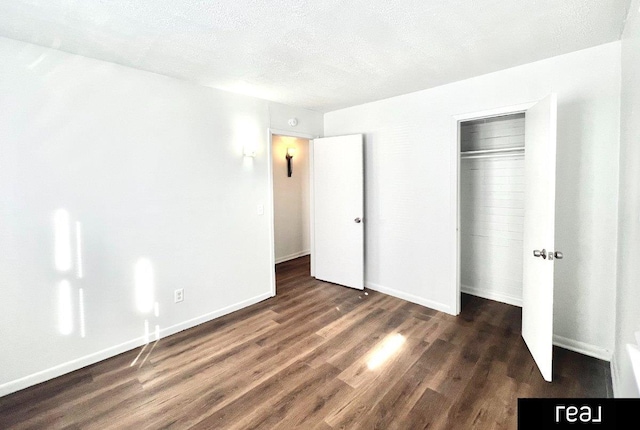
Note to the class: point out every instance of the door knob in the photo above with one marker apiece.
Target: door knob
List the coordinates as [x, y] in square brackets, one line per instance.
[357, 220]
[558, 255]
[542, 253]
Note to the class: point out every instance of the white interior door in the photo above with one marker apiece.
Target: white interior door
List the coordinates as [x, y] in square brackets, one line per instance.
[539, 230]
[338, 254]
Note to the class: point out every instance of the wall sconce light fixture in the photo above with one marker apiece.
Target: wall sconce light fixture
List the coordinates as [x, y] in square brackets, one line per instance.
[290, 153]
[249, 151]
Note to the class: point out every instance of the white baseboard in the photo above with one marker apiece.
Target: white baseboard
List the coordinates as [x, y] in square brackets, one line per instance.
[409, 297]
[563, 342]
[492, 295]
[583, 348]
[292, 256]
[168, 331]
[69, 366]
[79, 363]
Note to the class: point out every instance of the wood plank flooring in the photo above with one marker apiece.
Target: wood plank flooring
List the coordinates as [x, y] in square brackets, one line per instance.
[301, 360]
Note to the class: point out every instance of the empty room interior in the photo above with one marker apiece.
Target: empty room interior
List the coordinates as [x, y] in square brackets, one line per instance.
[316, 215]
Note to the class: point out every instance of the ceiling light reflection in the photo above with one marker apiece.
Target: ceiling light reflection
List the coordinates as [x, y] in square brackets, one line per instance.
[144, 285]
[65, 319]
[133, 363]
[389, 347]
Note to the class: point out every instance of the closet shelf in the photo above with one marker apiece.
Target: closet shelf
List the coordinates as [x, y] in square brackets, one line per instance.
[493, 152]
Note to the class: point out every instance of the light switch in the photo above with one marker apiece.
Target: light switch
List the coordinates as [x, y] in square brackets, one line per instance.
[260, 209]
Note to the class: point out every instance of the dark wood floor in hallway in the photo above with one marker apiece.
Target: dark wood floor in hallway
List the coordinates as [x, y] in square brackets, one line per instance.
[316, 356]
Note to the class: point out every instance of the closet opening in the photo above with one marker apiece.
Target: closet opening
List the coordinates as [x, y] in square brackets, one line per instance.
[491, 181]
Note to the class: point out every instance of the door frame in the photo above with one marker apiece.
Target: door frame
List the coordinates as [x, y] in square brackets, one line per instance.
[455, 181]
[271, 211]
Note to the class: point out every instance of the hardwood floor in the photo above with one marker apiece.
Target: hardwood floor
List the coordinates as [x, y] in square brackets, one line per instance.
[302, 360]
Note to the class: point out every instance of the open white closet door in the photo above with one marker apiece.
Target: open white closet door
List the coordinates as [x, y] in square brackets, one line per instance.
[539, 231]
[338, 205]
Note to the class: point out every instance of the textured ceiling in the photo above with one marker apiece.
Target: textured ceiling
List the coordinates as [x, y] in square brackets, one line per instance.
[322, 55]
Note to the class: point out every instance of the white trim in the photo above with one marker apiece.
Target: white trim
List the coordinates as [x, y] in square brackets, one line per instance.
[455, 214]
[409, 297]
[272, 233]
[582, 348]
[312, 208]
[78, 363]
[69, 366]
[287, 133]
[271, 215]
[498, 297]
[292, 256]
[614, 375]
[494, 112]
[168, 331]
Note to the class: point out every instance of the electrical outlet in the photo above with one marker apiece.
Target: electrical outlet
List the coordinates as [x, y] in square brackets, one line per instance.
[178, 295]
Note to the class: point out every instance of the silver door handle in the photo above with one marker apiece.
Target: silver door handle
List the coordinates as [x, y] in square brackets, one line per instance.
[542, 253]
[558, 255]
[357, 220]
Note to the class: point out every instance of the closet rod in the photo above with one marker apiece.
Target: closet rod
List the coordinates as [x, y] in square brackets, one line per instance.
[500, 152]
[494, 155]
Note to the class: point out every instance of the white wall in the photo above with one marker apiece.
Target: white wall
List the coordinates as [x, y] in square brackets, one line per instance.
[628, 296]
[291, 198]
[410, 192]
[151, 167]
